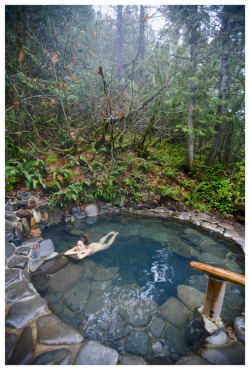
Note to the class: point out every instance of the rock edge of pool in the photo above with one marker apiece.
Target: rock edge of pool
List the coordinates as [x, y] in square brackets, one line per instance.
[34, 335]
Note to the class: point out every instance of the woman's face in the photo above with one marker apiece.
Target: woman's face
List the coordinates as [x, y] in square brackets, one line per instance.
[80, 245]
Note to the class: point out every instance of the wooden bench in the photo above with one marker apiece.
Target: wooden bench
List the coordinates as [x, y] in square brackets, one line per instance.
[216, 287]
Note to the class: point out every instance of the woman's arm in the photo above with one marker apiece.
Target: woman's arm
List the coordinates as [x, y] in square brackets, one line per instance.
[71, 251]
[84, 254]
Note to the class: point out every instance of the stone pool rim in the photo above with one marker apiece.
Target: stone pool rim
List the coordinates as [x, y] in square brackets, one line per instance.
[204, 221]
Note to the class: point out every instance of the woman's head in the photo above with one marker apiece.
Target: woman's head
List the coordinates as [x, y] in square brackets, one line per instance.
[82, 240]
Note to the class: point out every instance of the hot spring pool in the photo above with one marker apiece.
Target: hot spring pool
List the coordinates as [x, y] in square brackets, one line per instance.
[136, 296]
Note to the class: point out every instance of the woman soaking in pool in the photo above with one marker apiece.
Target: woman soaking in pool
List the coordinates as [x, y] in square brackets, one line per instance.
[82, 249]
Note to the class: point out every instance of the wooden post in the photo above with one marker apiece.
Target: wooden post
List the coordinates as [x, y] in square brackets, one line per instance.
[214, 298]
[216, 287]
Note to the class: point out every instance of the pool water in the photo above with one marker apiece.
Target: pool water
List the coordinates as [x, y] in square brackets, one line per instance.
[127, 296]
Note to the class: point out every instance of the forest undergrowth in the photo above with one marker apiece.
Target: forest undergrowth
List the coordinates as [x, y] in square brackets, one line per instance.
[157, 176]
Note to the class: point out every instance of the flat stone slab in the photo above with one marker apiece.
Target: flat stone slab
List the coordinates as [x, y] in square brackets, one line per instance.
[209, 258]
[94, 353]
[77, 296]
[90, 268]
[118, 329]
[175, 312]
[66, 278]
[41, 281]
[11, 275]
[137, 343]
[134, 311]
[176, 341]
[53, 331]
[56, 357]
[157, 326]
[106, 273]
[192, 360]
[132, 360]
[228, 354]
[191, 297]
[17, 291]
[18, 262]
[35, 264]
[54, 265]
[23, 251]
[179, 246]
[23, 350]
[230, 233]
[9, 249]
[97, 305]
[21, 313]
[46, 247]
[32, 241]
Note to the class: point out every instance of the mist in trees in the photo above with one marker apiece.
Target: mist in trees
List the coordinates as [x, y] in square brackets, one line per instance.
[108, 75]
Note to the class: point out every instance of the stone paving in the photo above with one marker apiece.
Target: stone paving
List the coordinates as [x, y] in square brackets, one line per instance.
[36, 336]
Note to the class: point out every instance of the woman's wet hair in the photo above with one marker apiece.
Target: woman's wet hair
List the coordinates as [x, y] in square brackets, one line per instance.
[84, 238]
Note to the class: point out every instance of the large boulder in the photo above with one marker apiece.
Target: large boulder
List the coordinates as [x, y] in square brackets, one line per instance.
[91, 210]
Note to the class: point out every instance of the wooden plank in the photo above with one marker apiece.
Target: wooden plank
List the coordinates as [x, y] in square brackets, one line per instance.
[218, 272]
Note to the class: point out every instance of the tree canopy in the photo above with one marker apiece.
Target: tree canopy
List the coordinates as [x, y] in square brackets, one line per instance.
[110, 79]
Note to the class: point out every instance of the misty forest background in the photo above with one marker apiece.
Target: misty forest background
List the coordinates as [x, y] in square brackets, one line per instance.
[126, 104]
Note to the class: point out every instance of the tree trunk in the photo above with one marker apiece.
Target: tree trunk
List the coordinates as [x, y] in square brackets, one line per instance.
[191, 103]
[222, 88]
[141, 40]
[120, 44]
